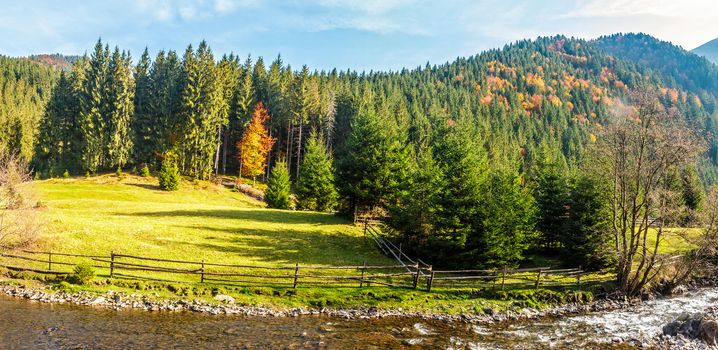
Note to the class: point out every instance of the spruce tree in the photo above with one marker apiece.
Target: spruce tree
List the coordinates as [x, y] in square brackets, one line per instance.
[551, 191]
[315, 185]
[169, 175]
[464, 167]
[199, 109]
[92, 107]
[587, 233]
[121, 101]
[143, 122]
[279, 187]
[375, 166]
[508, 214]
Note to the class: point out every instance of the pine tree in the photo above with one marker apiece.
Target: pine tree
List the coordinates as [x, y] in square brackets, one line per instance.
[200, 112]
[464, 169]
[552, 196]
[255, 143]
[315, 185]
[92, 107]
[169, 175]
[279, 187]
[374, 168]
[143, 122]
[415, 213]
[121, 101]
[508, 221]
[586, 239]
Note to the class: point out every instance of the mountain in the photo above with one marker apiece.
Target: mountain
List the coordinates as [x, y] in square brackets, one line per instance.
[57, 61]
[708, 50]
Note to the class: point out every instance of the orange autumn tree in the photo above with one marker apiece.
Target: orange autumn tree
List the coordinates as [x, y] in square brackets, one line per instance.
[255, 144]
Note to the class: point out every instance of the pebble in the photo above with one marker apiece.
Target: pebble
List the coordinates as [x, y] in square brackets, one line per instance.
[224, 304]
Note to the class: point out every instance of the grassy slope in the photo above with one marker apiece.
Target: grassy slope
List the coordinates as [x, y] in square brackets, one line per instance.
[204, 221]
[201, 221]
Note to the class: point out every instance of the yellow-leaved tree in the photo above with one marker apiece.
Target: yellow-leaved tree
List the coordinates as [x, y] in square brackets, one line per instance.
[255, 143]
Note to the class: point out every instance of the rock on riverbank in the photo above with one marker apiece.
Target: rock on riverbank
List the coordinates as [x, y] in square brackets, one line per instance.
[697, 331]
[226, 305]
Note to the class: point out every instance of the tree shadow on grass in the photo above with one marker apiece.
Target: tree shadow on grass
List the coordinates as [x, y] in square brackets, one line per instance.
[286, 246]
[146, 186]
[260, 215]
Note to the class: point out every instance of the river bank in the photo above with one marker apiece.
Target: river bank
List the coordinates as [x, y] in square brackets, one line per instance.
[58, 318]
[226, 305]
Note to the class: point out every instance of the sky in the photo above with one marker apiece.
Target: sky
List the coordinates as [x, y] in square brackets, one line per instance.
[355, 34]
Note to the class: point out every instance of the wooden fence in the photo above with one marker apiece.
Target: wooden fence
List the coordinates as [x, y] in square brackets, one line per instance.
[408, 273]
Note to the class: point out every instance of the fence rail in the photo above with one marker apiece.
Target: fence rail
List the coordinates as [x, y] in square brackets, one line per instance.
[407, 273]
[403, 275]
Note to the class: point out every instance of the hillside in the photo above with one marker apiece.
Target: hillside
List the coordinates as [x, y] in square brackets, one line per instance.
[201, 221]
[25, 88]
[57, 61]
[708, 50]
[458, 141]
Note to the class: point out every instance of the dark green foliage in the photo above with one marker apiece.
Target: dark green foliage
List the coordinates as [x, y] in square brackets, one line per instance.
[374, 168]
[464, 168]
[508, 214]
[692, 189]
[585, 241]
[315, 185]
[169, 175]
[551, 191]
[442, 149]
[415, 213]
[279, 187]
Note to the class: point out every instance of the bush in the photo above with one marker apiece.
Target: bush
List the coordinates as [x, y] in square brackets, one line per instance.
[279, 187]
[82, 274]
[118, 172]
[145, 171]
[66, 174]
[169, 175]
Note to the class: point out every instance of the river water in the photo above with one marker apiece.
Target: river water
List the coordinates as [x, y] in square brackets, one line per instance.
[31, 325]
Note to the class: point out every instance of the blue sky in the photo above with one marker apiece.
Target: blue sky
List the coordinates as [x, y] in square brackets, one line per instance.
[361, 35]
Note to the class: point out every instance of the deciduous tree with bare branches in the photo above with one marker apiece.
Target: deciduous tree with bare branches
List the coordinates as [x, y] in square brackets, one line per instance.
[642, 146]
[19, 220]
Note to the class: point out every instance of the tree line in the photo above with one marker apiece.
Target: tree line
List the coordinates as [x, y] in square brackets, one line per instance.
[475, 163]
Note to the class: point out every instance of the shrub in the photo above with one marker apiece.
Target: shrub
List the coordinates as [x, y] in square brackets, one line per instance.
[169, 175]
[66, 174]
[82, 274]
[145, 171]
[118, 172]
[278, 187]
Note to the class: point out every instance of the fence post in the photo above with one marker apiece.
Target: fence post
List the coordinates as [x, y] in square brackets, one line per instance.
[112, 264]
[400, 253]
[49, 261]
[503, 277]
[366, 223]
[538, 279]
[578, 276]
[416, 276]
[202, 278]
[361, 280]
[296, 275]
[430, 281]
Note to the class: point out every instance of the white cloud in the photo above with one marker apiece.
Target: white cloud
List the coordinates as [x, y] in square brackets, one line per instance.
[627, 8]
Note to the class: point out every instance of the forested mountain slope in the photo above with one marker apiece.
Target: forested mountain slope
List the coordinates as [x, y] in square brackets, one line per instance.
[453, 152]
[25, 88]
[708, 50]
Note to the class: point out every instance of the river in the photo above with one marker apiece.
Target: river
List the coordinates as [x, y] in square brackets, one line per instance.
[31, 325]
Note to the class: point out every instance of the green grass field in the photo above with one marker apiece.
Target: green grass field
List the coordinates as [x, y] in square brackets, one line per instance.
[201, 221]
